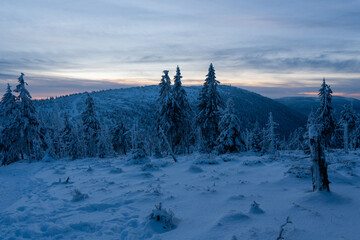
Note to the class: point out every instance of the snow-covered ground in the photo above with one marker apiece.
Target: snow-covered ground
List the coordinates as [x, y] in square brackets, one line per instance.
[209, 201]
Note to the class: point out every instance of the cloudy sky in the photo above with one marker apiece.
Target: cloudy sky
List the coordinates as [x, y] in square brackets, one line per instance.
[273, 47]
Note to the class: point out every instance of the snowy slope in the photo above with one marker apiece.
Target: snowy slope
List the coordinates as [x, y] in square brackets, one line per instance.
[209, 201]
[140, 103]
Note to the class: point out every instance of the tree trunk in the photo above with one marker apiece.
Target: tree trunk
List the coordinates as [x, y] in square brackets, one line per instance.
[319, 166]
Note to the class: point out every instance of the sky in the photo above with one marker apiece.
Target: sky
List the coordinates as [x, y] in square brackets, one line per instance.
[273, 47]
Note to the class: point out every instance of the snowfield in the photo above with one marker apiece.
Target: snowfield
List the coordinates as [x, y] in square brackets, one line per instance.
[210, 197]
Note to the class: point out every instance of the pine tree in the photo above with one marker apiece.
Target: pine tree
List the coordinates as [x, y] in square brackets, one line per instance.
[32, 141]
[181, 112]
[325, 118]
[209, 106]
[91, 127]
[229, 139]
[10, 133]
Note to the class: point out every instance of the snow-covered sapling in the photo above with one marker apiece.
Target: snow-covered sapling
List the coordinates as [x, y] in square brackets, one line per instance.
[164, 217]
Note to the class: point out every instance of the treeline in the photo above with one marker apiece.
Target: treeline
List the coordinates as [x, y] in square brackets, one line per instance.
[213, 126]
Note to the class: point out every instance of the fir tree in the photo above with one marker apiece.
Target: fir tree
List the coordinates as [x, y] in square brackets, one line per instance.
[325, 119]
[229, 139]
[32, 141]
[181, 112]
[91, 127]
[209, 106]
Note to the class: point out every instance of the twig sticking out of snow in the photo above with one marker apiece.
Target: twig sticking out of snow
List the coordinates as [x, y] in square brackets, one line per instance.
[282, 229]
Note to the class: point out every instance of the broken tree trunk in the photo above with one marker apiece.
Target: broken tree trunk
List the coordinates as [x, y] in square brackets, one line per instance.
[319, 166]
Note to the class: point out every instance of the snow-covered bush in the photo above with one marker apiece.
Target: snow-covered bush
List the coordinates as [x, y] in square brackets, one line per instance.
[138, 156]
[206, 159]
[150, 167]
[163, 218]
[78, 196]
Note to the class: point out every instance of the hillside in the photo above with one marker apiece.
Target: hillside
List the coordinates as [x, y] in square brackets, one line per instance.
[304, 105]
[140, 103]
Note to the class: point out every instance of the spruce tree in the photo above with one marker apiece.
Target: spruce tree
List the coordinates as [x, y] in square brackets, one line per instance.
[181, 112]
[10, 133]
[229, 139]
[66, 137]
[210, 103]
[256, 140]
[348, 122]
[91, 127]
[32, 140]
[8, 103]
[270, 136]
[120, 138]
[325, 118]
[166, 113]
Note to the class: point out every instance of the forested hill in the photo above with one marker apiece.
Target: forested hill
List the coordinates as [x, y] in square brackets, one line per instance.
[304, 105]
[140, 104]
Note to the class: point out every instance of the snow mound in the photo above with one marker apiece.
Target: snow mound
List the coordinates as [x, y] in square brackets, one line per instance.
[232, 218]
[255, 208]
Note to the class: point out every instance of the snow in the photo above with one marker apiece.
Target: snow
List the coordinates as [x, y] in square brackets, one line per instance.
[242, 196]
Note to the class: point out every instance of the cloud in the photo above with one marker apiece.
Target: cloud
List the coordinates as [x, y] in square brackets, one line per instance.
[127, 41]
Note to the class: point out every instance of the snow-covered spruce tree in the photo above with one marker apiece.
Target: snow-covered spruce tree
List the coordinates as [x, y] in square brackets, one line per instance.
[270, 138]
[8, 103]
[256, 140]
[91, 127]
[229, 139]
[296, 140]
[32, 141]
[120, 138]
[320, 179]
[182, 113]
[66, 137]
[10, 133]
[55, 128]
[166, 113]
[210, 103]
[325, 118]
[348, 122]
